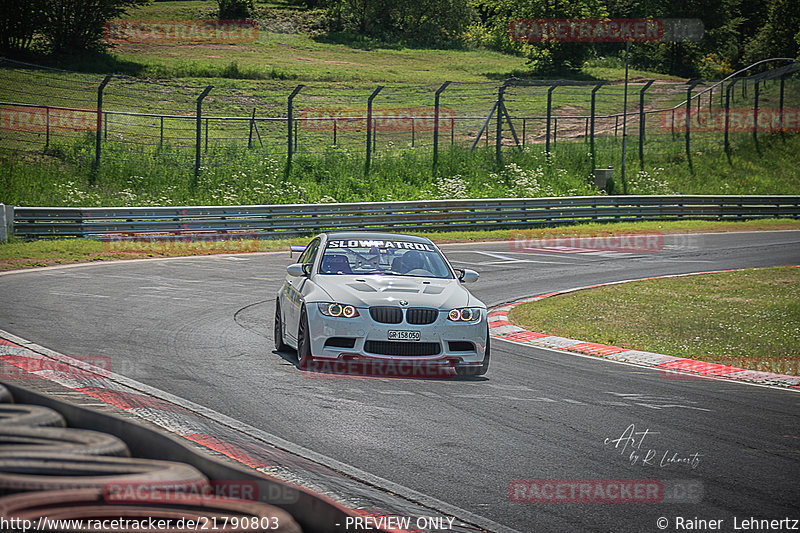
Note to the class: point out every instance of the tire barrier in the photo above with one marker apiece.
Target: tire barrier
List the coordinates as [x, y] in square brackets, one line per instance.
[60, 440]
[56, 473]
[29, 415]
[34, 471]
[218, 514]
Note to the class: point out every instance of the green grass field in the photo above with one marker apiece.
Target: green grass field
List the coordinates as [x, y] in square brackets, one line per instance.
[735, 318]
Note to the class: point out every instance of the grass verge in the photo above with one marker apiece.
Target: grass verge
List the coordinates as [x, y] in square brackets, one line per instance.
[742, 318]
[32, 254]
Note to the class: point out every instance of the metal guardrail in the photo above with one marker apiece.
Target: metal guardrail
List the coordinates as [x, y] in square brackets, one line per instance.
[270, 221]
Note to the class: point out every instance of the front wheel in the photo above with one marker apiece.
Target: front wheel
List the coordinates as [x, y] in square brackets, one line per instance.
[303, 341]
[280, 345]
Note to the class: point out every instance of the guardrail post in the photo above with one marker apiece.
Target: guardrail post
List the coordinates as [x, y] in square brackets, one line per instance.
[549, 115]
[728, 90]
[641, 122]
[6, 222]
[199, 133]
[289, 124]
[689, 89]
[369, 128]
[436, 96]
[591, 123]
[98, 138]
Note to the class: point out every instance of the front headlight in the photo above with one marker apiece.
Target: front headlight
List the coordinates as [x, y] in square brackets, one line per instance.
[465, 314]
[338, 310]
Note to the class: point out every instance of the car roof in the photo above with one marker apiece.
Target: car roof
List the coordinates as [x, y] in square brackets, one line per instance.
[344, 235]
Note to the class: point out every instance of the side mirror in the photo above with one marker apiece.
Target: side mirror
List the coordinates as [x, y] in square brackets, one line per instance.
[296, 270]
[466, 275]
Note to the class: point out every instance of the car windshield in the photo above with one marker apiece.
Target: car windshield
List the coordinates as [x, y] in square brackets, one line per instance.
[395, 257]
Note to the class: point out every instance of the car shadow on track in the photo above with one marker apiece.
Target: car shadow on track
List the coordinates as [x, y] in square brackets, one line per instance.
[358, 368]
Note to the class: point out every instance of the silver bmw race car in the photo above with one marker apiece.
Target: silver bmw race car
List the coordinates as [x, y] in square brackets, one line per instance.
[382, 297]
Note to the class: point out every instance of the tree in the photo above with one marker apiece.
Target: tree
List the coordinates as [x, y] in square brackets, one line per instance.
[19, 21]
[75, 25]
[431, 21]
[546, 56]
[777, 37]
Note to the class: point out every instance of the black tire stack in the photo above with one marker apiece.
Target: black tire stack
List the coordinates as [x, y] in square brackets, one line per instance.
[48, 470]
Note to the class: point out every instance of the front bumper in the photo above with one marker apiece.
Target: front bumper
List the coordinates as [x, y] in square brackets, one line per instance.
[461, 344]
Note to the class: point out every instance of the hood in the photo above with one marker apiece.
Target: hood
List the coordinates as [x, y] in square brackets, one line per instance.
[365, 291]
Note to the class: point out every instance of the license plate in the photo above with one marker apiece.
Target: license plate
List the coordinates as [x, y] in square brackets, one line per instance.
[395, 335]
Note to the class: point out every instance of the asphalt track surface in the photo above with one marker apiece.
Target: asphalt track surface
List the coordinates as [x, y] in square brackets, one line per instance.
[201, 328]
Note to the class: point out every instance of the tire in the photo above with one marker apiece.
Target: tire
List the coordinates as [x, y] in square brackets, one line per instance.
[61, 440]
[29, 415]
[304, 356]
[5, 395]
[77, 504]
[278, 331]
[34, 471]
[473, 372]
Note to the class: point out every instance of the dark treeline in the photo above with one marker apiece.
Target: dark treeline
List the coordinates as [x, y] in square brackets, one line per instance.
[737, 32]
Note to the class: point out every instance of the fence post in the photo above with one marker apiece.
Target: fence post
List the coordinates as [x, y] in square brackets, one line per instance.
[161, 134]
[780, 105]
[47, 134]
[498, 139]
[591, 123]
[250, 135]
[689, 89]
[642, 122]
[755, 114]
[98, 140]
[369, 128]
[549, 114]
[436, 96]
[199, 132]
[728, 90]
[289, 124]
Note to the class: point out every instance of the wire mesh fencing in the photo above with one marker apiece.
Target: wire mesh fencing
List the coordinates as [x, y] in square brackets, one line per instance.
[107, 117]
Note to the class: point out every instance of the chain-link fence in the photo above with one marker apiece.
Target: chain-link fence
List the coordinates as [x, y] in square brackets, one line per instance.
[43, 108]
